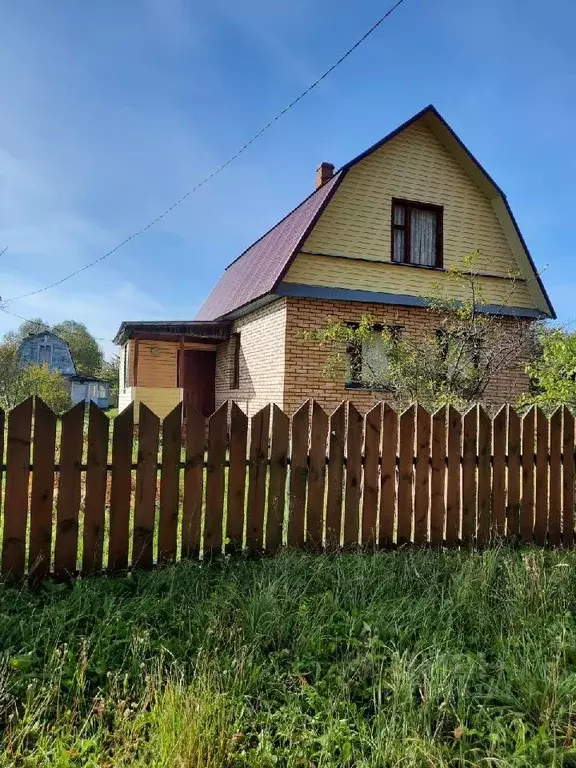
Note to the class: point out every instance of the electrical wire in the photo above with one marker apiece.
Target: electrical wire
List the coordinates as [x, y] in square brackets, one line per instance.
[217, 170]
[43, 326]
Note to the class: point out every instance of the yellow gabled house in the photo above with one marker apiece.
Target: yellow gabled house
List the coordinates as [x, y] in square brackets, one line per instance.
[371, 239]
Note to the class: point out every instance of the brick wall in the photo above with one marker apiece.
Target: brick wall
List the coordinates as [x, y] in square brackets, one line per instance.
[304, 376]
[262, 343]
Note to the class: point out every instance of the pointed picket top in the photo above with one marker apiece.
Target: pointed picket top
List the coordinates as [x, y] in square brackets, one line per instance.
[26, 406]
[126, 414]
[339, 408]
[501, 415]
[440, 413]
[42, 405]
[222, 409]
[422, 412]
[173, 418]
[303, 409]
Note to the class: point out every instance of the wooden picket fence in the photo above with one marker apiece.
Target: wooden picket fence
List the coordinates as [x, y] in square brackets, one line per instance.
[74, 502]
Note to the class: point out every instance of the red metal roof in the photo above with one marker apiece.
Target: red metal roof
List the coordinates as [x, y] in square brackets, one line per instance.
[258, 270]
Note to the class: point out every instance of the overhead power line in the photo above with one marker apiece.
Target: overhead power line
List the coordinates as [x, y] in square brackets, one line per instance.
[220, 168]
[44, 326]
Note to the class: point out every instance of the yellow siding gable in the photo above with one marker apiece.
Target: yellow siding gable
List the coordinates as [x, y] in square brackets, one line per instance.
[356, 224]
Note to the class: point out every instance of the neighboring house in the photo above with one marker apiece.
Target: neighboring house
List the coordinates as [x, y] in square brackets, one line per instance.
[371, 239]
[48, 349]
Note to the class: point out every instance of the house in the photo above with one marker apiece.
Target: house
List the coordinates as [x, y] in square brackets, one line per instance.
[47, 348]
[344, 252]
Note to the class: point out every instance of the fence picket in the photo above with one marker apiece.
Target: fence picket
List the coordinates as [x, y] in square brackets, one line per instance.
[193, 482]
[353, 477]
[388, 477]
[257, 475]
[541, 486]
[146, 482]
[527, 507]
[469, 488]
[405, 476]
[554, 527]
[277, 484]
[452, 479]
[372, 428]
[513, 484]
[316, 478]
[42, 496]
[438, 481]
[215, 475]
[298, 475]
[335, 477]
[16, 492]
[236, 479]
[499, 474]
[69, 490]
[484, 479]
[170, 485]
[121, 488]
[96, 476]
[567, 477]
[453, 471]
[422, 476]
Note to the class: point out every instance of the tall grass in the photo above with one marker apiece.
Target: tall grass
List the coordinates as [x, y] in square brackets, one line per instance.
[408, 658]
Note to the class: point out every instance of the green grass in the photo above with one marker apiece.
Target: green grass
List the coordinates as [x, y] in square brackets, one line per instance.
[407, 658]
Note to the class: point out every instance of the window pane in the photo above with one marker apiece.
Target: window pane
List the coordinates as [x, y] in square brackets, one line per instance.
[398, 245]
[374, 361]
[423, 237]
[399, 213]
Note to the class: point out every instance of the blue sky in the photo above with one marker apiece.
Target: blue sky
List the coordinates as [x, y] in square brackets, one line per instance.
[110, 111]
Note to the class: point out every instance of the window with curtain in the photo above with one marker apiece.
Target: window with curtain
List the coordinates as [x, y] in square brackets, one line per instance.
[368, 360]
[416, 233]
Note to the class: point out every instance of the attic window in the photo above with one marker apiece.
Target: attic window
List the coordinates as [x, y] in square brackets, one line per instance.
[416, 233]
[45, 354]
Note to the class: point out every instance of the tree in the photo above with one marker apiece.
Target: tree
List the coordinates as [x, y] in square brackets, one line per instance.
[553, 371]
[34, 325]
[18, 381]
[453, 362]
[110, 372]
[86, 352]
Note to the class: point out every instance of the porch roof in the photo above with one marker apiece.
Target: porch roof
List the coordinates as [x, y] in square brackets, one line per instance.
[190, 330]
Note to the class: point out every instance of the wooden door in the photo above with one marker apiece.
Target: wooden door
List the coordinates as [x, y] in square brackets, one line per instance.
[197, 377]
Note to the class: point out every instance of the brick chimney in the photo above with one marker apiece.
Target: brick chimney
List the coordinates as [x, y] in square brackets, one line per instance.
[324, 172]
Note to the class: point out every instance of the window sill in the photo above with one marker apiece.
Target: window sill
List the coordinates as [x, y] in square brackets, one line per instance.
[369, 387]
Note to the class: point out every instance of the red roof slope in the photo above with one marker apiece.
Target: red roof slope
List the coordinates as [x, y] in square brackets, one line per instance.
[258, 270]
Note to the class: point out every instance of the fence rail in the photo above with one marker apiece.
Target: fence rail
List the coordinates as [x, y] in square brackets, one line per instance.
[82, 494]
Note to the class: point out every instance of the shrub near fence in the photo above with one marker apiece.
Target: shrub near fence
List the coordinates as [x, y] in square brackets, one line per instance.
[313, 481]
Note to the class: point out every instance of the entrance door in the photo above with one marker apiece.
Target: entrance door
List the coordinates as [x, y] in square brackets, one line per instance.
[197, 377]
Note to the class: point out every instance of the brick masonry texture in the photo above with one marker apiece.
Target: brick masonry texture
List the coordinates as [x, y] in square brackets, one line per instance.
[262, 345]
[304, 360]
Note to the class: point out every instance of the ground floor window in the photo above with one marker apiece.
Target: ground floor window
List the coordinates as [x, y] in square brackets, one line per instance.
[368, 360]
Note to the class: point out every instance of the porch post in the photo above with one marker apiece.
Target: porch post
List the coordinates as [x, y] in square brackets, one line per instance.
[135, 366]
[181, 364]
